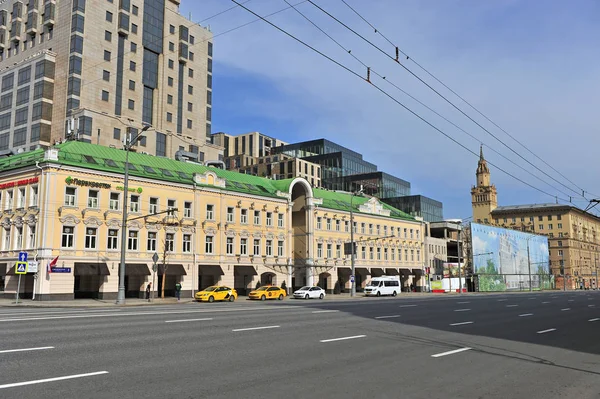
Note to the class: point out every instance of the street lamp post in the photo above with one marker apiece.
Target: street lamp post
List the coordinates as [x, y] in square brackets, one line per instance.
[352, 251]
[127, 144]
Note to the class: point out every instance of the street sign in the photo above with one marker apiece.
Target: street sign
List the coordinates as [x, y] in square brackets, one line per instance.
[352, 278]
[32, 266]
[21, 267]
[155, 257]
[22, 256]
[61, 270]
[154, 267]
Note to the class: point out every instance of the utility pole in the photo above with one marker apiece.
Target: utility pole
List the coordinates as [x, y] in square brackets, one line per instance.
[352, 249]
[564, 274]
[127, 144]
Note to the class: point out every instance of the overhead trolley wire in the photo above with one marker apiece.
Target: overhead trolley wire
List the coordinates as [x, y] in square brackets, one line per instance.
[439, 94]
[463, 99]
[418, 101]
[390, 97]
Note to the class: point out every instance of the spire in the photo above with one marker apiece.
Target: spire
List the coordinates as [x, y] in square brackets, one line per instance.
[481, 153]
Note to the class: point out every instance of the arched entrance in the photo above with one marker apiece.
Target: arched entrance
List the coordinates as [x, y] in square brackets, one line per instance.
[326, 282]
[268, 278]
[302, 225]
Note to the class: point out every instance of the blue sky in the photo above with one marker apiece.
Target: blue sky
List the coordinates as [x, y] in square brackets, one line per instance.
[532, 66]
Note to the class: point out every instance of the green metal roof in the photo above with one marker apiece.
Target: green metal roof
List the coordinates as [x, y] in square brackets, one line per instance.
[106, 159]
[341, 201]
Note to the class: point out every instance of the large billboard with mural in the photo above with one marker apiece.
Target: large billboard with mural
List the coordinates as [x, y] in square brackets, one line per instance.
[504, 259]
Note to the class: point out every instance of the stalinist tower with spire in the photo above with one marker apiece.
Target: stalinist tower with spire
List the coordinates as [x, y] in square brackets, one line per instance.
[483, 196]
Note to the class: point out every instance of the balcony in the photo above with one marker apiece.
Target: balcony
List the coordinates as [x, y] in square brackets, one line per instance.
[32, 21]
[49, 13]
[15, 31]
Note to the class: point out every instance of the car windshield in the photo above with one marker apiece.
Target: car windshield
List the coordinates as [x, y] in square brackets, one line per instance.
[373, 284]
[262, 289]
[304, 288]
[210, 289]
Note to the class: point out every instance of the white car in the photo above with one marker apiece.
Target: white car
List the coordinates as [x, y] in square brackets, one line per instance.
[309, 292]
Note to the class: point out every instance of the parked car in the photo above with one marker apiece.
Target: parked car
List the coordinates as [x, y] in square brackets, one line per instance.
[309, 292]
[216, 293]
[384, 285]
[267, 292]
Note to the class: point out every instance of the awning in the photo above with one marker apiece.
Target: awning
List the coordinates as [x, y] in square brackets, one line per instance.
[91, 269]
[172, 270]
[344, 270]
[405, 272]
[391, 271]
[417, 272]
[377, 272]
[214, 270]
[362, 270]
[2, 269]
[244, 271]
[136, 269]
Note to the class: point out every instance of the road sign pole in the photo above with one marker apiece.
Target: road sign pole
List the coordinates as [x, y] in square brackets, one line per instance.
[18, 289]
[154, 267]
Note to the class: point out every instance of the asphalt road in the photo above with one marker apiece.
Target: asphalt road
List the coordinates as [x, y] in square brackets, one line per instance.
[541, 345]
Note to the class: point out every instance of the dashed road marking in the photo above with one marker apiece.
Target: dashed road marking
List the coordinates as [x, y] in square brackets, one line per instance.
[526, 315]
[546, 331]
[67, 377]
[596, 319]
[325, 311]
[254, 328]
[461, 310]
[565, 309]
[186, 320]
[387, 317]
[450, 352]
[511, 306]
[461, 323]
[407, 306]
[27, 349]
[342, 338]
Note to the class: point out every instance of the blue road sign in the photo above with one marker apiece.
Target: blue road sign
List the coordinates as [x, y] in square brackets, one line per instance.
[21, 267]
[22, 256]
[351, 279]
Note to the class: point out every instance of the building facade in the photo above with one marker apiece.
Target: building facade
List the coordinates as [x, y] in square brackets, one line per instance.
[281, 167]
[573, 235]
[97, 70]
[420, 206]
[206, 225]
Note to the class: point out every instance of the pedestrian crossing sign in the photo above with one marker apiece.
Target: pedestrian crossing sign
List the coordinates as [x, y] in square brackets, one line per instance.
[21, 268]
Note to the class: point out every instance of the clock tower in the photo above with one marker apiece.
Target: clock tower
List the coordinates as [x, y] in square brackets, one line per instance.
[483, 196]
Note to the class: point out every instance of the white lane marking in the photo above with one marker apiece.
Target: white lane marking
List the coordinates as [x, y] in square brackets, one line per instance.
[27, 349]
[565, 309]
[462, 323]
[546, 331]
[185, 320]
[526, 314]
[461, 310]
[407, 306]
[450, 352]
[387, 317]
[571, 300]
[79, 316]
[463, 302]
[342, 339]
[325, 311]
[531, 298]
[553, 297]
[591, 306]
[596, 319]
[254, 328]
[501, 300]
[56, 312]
[66, 377]
[545, 302]
[590, 299]
[511, 306]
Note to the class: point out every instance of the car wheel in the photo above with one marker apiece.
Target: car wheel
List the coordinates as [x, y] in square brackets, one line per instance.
[262, 298]
[394, 293]
[211, 298]
[231, 298]
[280, 297]
[321, 296]
[306, 296]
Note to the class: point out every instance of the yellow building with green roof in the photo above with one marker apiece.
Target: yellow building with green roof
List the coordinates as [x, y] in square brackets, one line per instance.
[65, 203]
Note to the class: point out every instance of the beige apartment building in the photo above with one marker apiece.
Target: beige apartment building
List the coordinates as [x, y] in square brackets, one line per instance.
[95, 71]
[281, 166]
[206, 225]
[573, 235]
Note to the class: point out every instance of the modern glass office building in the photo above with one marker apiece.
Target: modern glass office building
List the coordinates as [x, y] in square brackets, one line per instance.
[418, 205]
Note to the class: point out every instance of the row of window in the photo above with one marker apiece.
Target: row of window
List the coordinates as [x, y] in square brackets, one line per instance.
[7, 198]
[93, 201]
[133, 244]
[438, 249]
[17, 240]
[374, 253]
[531, 218]
[363, 228]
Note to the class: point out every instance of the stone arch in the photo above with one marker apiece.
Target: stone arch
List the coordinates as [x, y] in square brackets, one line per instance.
[302, 220]
[268, 278]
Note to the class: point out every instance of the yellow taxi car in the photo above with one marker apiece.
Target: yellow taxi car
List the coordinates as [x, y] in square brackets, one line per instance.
[216, 293]
[267, 292]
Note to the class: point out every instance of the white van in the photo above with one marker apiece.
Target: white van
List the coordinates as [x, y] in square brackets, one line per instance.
[384, 285]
